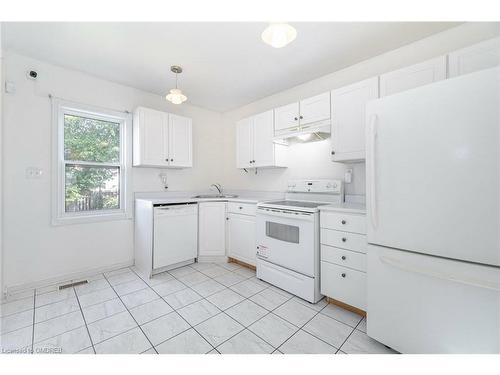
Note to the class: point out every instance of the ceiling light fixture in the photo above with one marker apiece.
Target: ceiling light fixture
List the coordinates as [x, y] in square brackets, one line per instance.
[279, 34]
[176, 96]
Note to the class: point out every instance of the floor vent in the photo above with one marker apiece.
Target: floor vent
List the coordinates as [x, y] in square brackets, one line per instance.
[70, 285]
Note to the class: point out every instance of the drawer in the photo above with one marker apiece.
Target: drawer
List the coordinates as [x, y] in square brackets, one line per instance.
[343, 221]
[344, 240]
[344, 284]
[343, 257]
[241, 208]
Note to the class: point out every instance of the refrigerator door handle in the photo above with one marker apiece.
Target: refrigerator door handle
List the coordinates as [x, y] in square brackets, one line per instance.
[439, 275]
[373, 191]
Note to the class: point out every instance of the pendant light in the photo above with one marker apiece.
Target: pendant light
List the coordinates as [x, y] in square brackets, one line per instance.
[176, 96]
[279, 34]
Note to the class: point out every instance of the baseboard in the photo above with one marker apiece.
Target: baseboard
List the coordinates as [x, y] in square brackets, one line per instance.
[346, 306]
[232, 260]
[64, 279]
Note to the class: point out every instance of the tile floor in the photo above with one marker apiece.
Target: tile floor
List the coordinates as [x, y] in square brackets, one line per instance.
[201, 308]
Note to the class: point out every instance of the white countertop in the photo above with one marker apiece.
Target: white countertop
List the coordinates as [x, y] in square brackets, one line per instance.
[251, 200]
[358, 208]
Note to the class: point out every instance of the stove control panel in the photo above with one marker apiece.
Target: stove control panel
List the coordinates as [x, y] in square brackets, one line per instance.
[315, 186]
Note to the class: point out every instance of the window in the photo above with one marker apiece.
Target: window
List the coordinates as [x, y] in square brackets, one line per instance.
[91, 163]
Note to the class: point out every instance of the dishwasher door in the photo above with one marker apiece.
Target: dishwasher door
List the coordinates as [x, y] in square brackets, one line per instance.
[175, 234]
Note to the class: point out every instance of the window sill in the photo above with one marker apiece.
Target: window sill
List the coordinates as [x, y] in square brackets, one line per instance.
[90, 218]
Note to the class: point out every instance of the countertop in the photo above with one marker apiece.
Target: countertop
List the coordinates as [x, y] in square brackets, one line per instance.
[155, 201]
[357, 208]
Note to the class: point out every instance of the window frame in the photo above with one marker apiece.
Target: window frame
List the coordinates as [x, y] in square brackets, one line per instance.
[60, 108]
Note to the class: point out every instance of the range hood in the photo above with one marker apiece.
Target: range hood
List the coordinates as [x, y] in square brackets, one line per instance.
[306, 133]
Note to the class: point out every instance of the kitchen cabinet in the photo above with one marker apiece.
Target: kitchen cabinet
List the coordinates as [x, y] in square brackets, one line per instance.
[479, 56]
[254, 143]
[212, 229]
[241, 243]
[343, 257]
[161, 140]
[307, 111]
[413, 76]
[348, 120]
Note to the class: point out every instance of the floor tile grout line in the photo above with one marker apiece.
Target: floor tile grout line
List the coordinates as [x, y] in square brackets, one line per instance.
[138, 325]
[84, 321]
[174, 310]
[347, 338]
[34, 314]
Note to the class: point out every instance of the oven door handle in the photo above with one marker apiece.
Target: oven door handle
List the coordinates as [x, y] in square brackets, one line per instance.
[306, 216]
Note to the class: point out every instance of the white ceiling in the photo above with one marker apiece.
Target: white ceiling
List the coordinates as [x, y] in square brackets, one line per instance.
[226, 65]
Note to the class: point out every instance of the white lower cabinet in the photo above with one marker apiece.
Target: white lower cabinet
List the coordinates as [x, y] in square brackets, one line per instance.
[241, 233]
[212, 229]
[343, 257]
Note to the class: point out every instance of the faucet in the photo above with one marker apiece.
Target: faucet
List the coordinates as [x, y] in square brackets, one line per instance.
[218, 187]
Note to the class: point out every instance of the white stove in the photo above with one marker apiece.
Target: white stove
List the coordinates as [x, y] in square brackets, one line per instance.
[288, 236]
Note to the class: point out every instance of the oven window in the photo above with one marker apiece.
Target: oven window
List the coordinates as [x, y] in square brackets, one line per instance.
[282, 232]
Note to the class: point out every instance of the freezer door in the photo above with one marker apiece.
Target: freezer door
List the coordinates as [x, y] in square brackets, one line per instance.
[433, 169]
[425, 304]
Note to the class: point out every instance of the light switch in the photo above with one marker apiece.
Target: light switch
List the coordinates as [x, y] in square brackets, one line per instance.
[33, 173]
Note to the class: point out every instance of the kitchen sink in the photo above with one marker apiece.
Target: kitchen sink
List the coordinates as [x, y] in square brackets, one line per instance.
[208, 196]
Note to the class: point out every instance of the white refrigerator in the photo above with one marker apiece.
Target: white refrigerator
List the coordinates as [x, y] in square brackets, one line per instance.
[433, 210]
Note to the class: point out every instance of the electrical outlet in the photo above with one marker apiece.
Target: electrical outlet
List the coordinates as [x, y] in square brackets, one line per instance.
[34, 173]
[348, 176]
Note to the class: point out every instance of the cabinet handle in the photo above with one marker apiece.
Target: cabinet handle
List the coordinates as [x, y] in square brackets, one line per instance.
[343, 257]
[344, 239]
[343, 275]
[333, 152]
[253, 161]
[343, 222]
[301, 117]
[227, 218]
[258, 247]
[240, 208]
[295, 118]
[166, 159]
[171, 159]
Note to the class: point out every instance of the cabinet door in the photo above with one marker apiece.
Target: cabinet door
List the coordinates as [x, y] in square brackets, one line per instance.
[241, 238]
[244, 143]
[348, 120]
[477, 57]
[212, 226]
[150, 138]
[180, 141]
[286, 117]
[413, 76]
[315, 109]
[263, 145]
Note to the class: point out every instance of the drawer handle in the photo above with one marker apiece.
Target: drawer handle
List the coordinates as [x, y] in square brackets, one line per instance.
[344, 239]
[343, 275]
[343, 257]
[343, 222]
[240, 208]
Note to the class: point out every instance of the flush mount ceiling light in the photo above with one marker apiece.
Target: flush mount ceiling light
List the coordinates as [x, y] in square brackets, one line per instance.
[279, 34]
[176, 96]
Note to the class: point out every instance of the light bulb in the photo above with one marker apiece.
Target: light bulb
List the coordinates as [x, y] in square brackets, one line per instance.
[279, 34]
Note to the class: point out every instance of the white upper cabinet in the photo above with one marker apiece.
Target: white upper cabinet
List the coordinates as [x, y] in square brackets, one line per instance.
[413, 76]
[263, 133]
[180, 141]
[480, 56]
[161, 139]
[315, 109]
[348, 120]
[244, 143]
[254, 143]
[286, 117]
[307, 111]
[150, 138]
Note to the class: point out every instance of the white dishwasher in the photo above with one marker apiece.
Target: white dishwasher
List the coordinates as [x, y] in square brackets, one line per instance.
[175, 234]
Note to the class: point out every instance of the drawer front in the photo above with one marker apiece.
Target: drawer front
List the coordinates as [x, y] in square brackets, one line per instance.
[344, 284]
[241, 208]
[343, 257]
[344, 240]
[343, 221]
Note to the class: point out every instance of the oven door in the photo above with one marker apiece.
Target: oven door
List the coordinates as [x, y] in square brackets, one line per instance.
[288, 239]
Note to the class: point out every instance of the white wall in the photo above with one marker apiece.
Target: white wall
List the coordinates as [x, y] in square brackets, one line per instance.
[313, 160]
[1, 161]
[34, 249]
